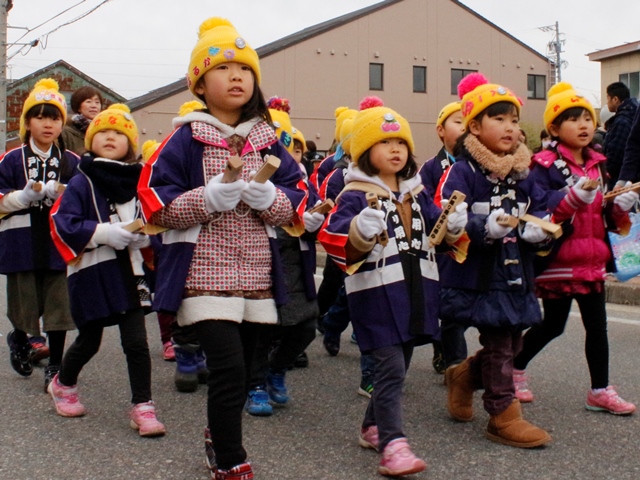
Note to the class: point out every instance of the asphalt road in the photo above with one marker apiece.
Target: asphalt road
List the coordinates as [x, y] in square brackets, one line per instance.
[315, 437]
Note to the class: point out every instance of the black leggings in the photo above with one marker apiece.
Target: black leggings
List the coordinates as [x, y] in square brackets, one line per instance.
[594, 319]
[133, 338]
[229, 349]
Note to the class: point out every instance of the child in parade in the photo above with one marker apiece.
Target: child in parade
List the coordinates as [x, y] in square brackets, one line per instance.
[105, 273]
[492, 289]
[32, 177]
[451, 349]
[577, 269]
[405, 270]
[281, 345]
[219, 269]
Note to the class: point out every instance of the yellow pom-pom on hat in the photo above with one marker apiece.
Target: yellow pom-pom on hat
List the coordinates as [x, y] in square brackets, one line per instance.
[447, 111]
[116, 117]
[190, 106]
[374, 123]
[342, 113]
[219, 42]
[477, 94]
[44, 91]
[148, 149]
[561, 97]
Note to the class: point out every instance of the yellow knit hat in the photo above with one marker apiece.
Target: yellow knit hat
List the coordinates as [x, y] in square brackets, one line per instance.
[447, 111]
[219, 42]
[562, 97]
[282, 125]
[116, 117]
[188, 107]
[297, 135]
[148, 149]
[477, 94]
[345, 135]
[342, 113]
[375, 122]
[44, 91]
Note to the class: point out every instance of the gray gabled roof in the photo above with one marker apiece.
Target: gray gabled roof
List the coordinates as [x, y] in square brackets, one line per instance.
[310, 32]
[75, 71]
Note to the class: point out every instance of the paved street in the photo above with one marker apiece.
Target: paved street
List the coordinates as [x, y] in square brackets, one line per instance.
[315, 437]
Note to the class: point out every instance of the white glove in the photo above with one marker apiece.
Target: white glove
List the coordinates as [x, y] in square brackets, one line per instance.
[370, 222]
[494, 230]
[259, 196]
[532, 233]
[312, 221]
[28, 195]
[587, 196]
[116, 236]
[626, 200]
[140, 240]
[50, 190]
[221, 197]
[457, 219]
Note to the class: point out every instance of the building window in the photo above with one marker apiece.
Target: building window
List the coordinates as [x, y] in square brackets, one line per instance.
[458, 74]
[632, 80]
[376, 73]
[536, 86]
[419, 79]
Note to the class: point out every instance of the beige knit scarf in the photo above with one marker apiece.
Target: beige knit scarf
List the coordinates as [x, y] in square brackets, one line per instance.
[518, 161]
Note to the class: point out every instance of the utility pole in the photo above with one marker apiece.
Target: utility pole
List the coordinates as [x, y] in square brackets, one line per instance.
[4, 13]
[554, 49]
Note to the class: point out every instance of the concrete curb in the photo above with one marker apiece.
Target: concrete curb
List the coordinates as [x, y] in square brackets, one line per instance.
[625, 293]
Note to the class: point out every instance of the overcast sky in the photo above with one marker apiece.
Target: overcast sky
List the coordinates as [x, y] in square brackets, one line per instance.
[134, 46]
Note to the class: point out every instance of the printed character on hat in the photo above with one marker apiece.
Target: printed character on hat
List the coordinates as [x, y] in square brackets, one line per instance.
[284, 344]
[577, 266]
[452, 347]
[32, 177]
[105, 264]
[220, 269]
[86, 103]
[492, 289]
[403, 269]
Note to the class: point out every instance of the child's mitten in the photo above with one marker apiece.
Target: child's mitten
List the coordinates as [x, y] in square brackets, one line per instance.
[221, 197]
[370, 222]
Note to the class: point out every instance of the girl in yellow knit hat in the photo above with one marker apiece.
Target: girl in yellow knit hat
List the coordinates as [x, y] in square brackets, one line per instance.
[393, 280]
[492, 289]
[219, 271]
[105, 274]
[32, 177]
[577, 267]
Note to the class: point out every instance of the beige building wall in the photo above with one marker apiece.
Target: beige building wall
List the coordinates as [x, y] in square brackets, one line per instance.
[332, 69]
[611, 68]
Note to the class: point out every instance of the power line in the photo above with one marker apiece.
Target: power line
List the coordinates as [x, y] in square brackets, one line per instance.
[44, 38]
[29, 30]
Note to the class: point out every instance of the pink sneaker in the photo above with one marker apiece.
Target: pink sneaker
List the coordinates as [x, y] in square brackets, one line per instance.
[369, 437]
[239, 472]
[521, 382]
[608, 400]
[168, 352]
[143, 419]
[398, 459]
[65, 399]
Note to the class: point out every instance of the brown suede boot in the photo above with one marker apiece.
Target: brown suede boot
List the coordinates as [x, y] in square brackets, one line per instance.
[509, 428]
[460, 398]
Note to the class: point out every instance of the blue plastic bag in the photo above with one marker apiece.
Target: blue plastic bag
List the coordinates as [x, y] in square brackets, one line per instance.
[626, 251]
